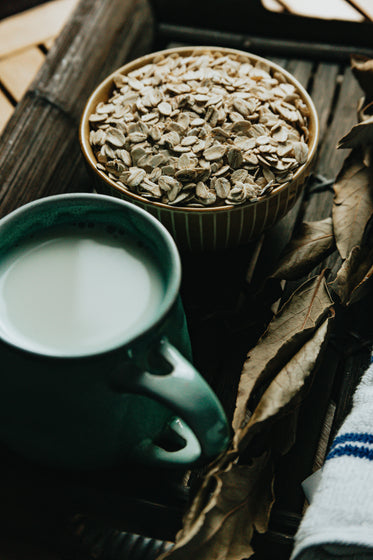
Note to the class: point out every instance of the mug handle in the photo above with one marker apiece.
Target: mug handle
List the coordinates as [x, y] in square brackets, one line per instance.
[185, 392]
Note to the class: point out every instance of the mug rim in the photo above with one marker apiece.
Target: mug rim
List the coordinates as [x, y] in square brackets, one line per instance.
[172, 287]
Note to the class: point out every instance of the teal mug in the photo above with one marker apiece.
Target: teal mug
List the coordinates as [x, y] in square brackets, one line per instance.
[95, 354]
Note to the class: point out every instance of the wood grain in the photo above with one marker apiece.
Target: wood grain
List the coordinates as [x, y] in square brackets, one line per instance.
[344, 117]
[34, 26]
[324, 80]
[48, 44]
[39, 150]
[364, 6]
[335, 93]
[18, 70]
[301, 70]
[6, 109]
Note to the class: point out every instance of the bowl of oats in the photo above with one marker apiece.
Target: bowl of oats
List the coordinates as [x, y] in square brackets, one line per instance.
[216, 143]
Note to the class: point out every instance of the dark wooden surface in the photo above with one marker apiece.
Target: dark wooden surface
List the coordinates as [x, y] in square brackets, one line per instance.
[222, 336]
[39, 155]
[250, 21]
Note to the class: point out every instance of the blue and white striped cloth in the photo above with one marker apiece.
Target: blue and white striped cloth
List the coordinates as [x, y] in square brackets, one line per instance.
[353, 444]
[339, 520]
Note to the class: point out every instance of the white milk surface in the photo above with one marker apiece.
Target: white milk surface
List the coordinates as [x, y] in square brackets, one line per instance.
[76, 292]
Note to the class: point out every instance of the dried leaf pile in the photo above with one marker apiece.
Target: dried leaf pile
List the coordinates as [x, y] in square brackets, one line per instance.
[236, 495]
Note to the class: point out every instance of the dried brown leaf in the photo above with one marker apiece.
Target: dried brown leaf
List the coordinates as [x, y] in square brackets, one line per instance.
[354, 277]
[283, 433]
[359, 136]
[241, 502]
[353, 203]
[235, 499]
[287, 332]
[287, 387]
[362, 68]
[365, 112]
[351, 282]
[311, 244]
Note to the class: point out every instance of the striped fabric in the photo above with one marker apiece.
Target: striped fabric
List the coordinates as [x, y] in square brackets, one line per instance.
[353, 444]
[339, 520]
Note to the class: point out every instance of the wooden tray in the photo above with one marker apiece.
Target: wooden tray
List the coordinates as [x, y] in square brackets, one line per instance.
[226, 319]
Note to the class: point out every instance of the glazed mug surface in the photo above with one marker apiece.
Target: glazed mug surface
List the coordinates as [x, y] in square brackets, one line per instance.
[95, 354]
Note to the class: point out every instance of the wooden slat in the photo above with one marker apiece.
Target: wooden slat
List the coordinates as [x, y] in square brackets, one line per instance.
[365, 6]
[313, 411]
[273, 5]
[48, 44]
[278, 236]
[344, 117]
[39, 150]
[301, 70]
[336, 111]
[6, 109]
[325, 79]
[34, 26]
[18, 70]
[325, 9]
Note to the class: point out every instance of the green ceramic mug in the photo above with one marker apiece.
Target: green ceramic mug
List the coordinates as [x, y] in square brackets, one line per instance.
[95, 355]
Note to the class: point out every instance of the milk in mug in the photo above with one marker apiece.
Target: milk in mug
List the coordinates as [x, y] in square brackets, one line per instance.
[77, 290]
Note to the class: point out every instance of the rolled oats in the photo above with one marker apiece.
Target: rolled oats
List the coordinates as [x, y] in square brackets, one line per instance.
[201, 130]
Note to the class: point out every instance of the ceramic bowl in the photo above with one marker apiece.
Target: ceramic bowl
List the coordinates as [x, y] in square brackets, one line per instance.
[208, 227]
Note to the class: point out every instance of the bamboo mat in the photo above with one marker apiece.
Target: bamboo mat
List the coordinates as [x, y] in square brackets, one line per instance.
[25, 40]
